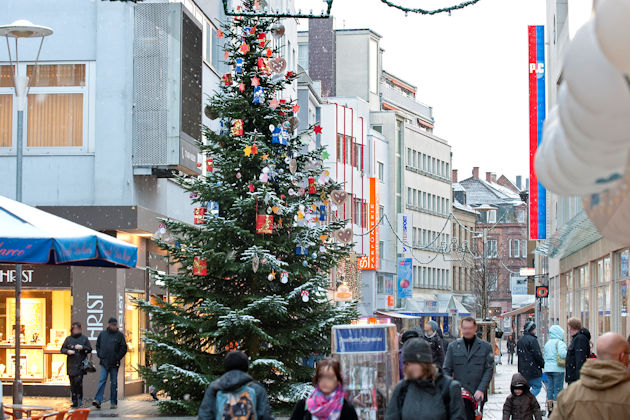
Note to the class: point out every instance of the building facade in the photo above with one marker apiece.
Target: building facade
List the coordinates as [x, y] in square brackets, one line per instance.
[114, 113]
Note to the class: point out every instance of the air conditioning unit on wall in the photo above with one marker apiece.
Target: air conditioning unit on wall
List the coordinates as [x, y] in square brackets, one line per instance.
[167, 90]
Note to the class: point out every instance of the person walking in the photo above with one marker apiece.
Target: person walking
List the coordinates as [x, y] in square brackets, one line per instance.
[530, 360]
[425, 392]
[603, 390]
[235, 395]
[469, 360]
[111, 347]
[511, 348]
[555, 354]
[521, 404]
[76, 346]
[437, 346]
[407, 335]
[579, 349]
[327, 401]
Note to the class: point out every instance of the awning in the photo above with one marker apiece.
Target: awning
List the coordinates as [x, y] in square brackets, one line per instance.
[574, 235]
[522, 310]
[396, 315]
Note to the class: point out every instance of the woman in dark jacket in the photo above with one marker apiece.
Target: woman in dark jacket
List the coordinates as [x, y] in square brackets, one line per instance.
[425, 393]
[511, 348]
[437, 347]
[76, 347]
[327, 401]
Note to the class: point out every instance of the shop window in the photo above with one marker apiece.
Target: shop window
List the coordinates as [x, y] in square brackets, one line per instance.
[46, 320]
[624, 306]
[603, 310]
[134, 323]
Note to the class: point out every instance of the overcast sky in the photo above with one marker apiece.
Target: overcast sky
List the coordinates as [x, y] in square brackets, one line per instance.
[471, 67]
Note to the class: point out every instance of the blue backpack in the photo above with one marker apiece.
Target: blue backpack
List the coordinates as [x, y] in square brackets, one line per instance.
[239, 404]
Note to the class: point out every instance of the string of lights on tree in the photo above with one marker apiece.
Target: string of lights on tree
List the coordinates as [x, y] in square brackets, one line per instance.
[422, 11]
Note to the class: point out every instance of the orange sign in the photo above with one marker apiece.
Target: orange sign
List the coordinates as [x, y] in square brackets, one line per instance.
[343, 294]
[372, 260]
[390, 300]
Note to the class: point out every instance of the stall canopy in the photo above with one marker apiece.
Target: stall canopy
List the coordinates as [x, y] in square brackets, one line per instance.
[32, 236]
[518, 311]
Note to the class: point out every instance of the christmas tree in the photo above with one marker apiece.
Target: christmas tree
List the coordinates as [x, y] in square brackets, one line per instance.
[253, 275]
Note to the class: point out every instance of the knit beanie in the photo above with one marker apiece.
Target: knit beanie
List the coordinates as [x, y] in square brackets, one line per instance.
[417, 350]
[409, 334]
[433, 325]
[529, 325]
[236, 360]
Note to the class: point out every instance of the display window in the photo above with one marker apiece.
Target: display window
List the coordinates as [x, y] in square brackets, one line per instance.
[45, 322]
[134, 324]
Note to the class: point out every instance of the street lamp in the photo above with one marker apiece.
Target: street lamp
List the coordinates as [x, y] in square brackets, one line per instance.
[16, 30]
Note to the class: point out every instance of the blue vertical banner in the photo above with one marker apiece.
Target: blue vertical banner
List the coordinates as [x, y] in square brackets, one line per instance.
[405, 278]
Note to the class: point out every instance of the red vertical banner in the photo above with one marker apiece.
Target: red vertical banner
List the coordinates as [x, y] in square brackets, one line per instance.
[372, 260]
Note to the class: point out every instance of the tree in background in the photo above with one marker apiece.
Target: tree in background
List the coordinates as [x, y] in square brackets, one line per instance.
[252, 275]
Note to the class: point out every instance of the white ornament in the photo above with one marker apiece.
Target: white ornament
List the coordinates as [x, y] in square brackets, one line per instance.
[613, 32]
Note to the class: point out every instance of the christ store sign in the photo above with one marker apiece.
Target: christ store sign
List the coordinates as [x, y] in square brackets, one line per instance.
[372, 260]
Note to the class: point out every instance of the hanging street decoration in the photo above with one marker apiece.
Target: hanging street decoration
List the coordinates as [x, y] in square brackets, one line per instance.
[421, 11]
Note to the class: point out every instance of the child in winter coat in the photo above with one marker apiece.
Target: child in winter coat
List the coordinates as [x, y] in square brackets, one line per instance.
[521, 403]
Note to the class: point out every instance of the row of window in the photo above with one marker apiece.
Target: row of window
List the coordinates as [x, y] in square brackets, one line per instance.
[429, 164]
[517, 248]
[462, 279]
[426, 237]
[427, 201]
[350, 152]
[431, 278]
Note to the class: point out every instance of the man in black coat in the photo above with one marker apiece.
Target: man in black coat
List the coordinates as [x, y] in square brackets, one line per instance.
[530, 360]
[111, 347]
[76, 346]
[579, 350]
[470, 361]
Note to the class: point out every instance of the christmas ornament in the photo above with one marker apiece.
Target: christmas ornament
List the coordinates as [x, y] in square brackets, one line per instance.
[269, 52]
[263, 65]
[344, 235]
[322, 213]
[227, 79]
[263, 177]
[291, 191]
[252, 31]
[238, 175]
[209, 165]
[254, 149]
[255, 263]
[290, 74]
[262, 39]
[251, 187]
[275, 209]
[248, 150]
[284, 277]
[278, 65]
[296, 109]
[339, 197]
[211, 113]
[226, 55]
[293, 166]
[301, 192]
[280, 136]
[199, 216]
[277, 30]
[241, 87]
[237, 128]
[305, 294]
[244, 48]
[300, 250]
[325, 155]
[305, 263]
[265, 157]
[238, 67]
[255, 81]
[317, 129]
[259, 95]
[247, 30]
[312, 187]
[294, 122]
[264, 223]
[200, 266]
[219, 33]
[323, 238]
[273, 104]
[271, 276]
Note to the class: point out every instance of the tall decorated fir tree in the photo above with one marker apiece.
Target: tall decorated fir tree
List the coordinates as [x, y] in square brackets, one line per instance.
[254, 275]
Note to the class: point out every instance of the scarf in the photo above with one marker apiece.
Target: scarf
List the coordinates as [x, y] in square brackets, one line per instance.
[325, 407]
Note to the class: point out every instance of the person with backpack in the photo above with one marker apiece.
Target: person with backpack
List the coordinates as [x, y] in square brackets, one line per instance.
[77, 347]
[327, 401]
[235, 395]
[521, 404]
[511, 348]
[530, 360]
[555, 354]
[424, 393]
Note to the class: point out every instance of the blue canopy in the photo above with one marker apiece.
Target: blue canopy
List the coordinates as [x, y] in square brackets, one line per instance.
[32, 236]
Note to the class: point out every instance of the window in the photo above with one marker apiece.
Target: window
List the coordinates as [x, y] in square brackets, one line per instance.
[491, 248]
[520, 216]
[380, 284]
[424, 162]
[492, 216]
[303, 55]
[409, 196]
[56, 108]
[381, 254]
[515, 248]
[378, 128]
[381, 171]
[524, 250]
[409, 157]
[207, 40]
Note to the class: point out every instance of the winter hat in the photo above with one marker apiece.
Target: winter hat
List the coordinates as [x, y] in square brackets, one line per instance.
[529, 325]
[433, 325]
[408, 335]
[236, 360]
[113, 321]
[417, 350]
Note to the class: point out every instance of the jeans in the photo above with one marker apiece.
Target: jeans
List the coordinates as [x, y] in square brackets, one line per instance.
[535, 385]
[510, 358]
[555, 382]
[112, 372]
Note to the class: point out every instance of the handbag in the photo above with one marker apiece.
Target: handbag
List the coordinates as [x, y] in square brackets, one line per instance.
[87, 366]
[560, 361]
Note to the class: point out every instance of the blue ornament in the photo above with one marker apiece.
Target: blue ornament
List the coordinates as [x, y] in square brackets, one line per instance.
[305, 263]
[238, 68]
[322, 213]
[314, 256]
[300, 250]
[259, 95]
[279, 135]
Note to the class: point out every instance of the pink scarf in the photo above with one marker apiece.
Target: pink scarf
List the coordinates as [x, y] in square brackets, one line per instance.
[325, 407]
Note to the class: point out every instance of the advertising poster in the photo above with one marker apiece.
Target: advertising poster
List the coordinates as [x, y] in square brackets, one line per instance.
[405, 278]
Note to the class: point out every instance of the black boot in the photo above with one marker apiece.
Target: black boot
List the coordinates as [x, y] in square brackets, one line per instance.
[80, 400]
[75, 400]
